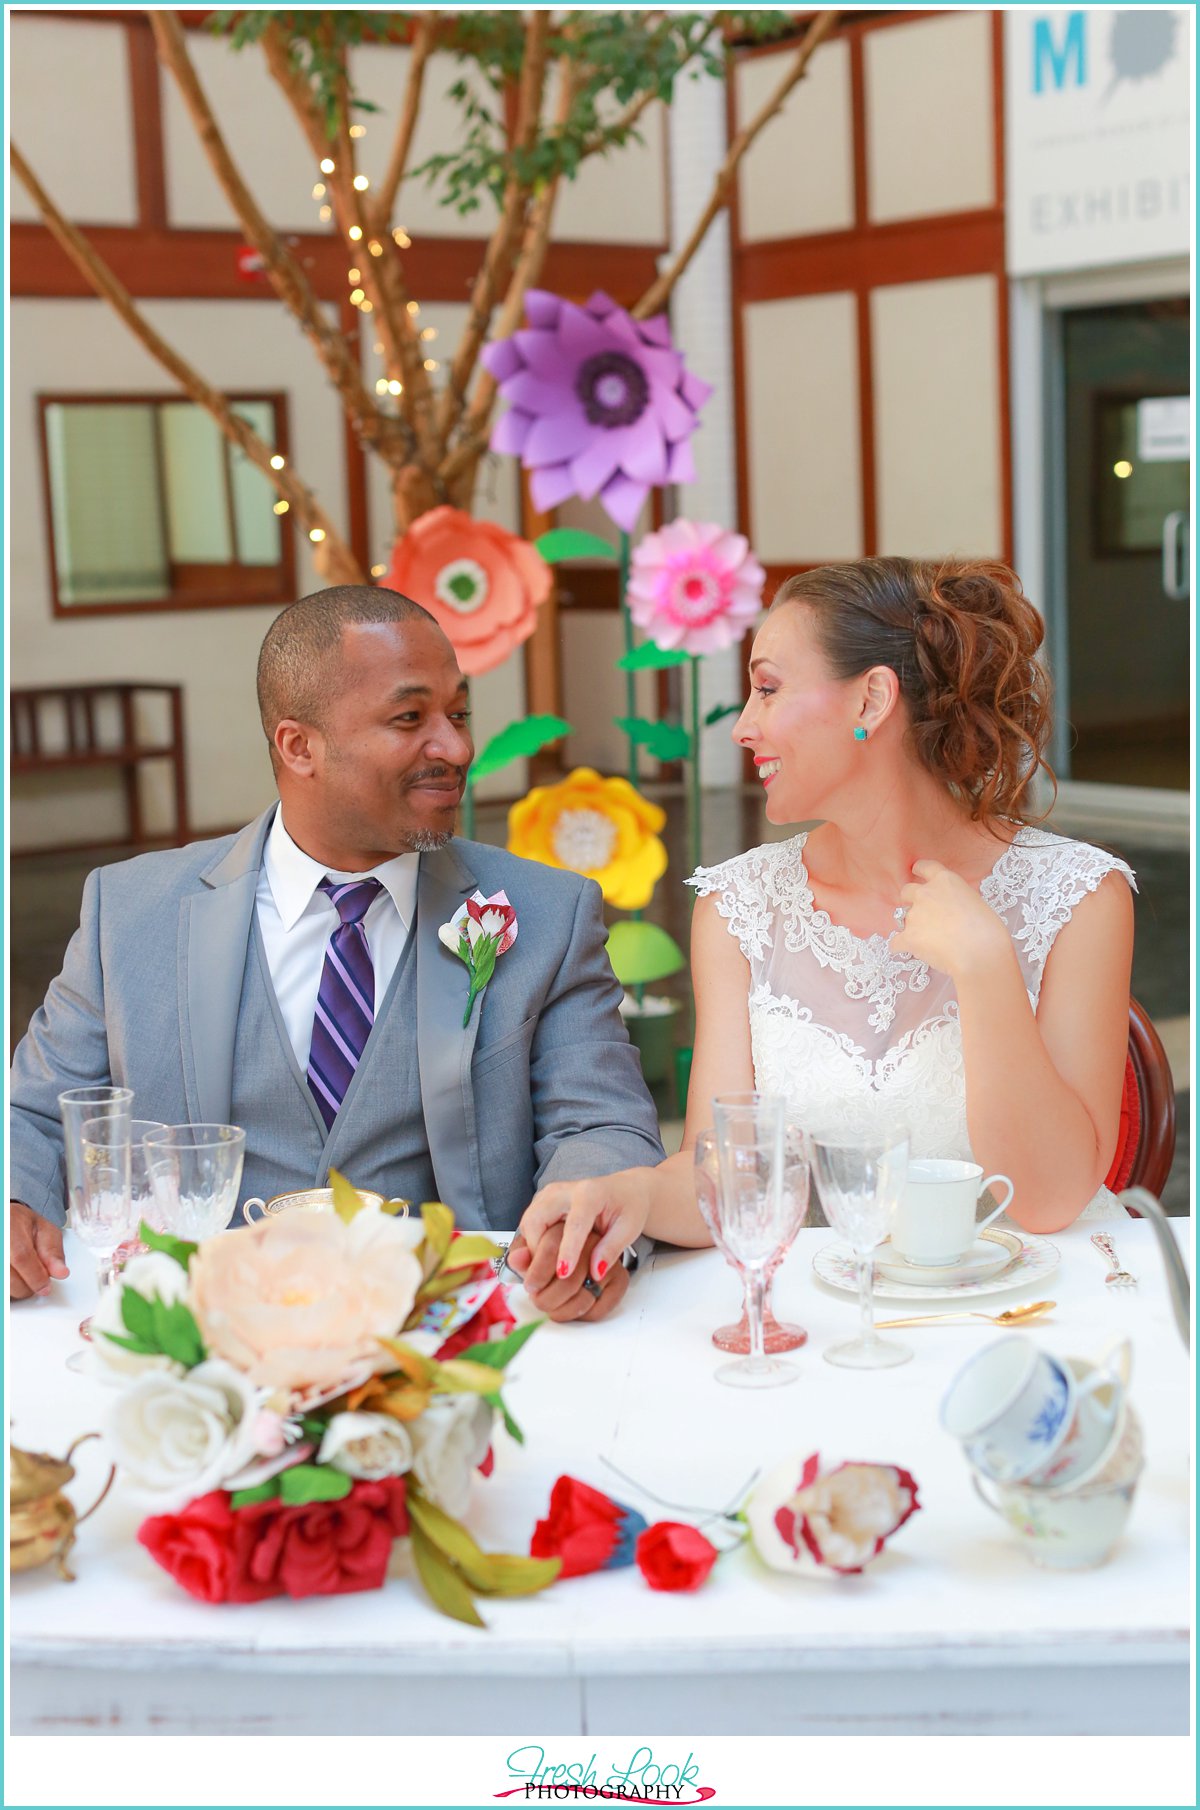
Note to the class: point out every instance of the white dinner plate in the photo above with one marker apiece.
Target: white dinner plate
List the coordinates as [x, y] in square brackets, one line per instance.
[991, 1252]
[1038, 1258]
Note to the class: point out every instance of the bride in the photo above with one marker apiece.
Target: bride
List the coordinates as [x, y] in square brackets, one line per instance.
[923, 952]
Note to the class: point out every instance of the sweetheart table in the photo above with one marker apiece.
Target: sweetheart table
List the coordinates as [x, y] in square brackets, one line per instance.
[950, 1631]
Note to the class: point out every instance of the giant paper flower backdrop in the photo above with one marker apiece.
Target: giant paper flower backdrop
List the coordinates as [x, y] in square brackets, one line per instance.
[601, 404]
[599, 827]
[694, 585]
[482, 583]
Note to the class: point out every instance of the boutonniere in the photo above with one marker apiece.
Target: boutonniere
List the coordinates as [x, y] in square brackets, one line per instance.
[479, 931]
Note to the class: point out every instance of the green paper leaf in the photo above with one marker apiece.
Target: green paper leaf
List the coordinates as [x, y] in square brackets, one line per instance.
[649, 658]
[177, 1333]
[499, 1353]
[443, 1583]
[496, 1573]
[641, 953]
[313, 1483]
[510, 1426]
[665, 741]
[138, 1315]
[347, 1201]
[138, 1346]
[518, 742]
[261, 1492]
[721, 710]
[438, 1221]
[470, 1249]
[572, 543]
[178, 1248]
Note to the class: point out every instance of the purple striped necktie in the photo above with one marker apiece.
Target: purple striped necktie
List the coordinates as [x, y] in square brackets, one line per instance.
[346, 1000]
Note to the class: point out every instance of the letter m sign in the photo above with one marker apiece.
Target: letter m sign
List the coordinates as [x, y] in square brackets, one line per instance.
[1064, 59]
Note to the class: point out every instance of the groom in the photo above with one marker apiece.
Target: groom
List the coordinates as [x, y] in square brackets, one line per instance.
[291, 978]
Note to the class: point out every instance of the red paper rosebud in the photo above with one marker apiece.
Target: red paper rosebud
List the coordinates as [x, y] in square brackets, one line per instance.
[673, 1556]
[586, 1529]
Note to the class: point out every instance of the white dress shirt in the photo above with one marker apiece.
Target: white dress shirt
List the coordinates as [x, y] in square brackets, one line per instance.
[297, 919]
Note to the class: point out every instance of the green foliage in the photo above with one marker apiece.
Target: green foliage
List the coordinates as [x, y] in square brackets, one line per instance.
[302, 1483]
[649, 658]
[572, 543]
[499, 1353]
[641, 953]
[157, 1328]
[721, 710]
[178, 1248]
[665, 741]
[517, 742]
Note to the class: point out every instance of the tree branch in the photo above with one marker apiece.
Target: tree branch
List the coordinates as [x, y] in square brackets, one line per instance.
[392, 438]
[335, 559]
[423, 41]
[626, 121]
[506, 234]
[656, 296]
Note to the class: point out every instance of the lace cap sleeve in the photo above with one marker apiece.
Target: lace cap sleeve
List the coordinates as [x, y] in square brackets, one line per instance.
[745, 896]
[1047, 876]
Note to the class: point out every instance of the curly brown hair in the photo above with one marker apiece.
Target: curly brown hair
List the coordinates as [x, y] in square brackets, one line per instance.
[961, 637]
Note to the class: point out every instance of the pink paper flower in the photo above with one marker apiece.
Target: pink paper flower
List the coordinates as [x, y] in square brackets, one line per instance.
[600, 404]
[694, 585]
[804, 1520]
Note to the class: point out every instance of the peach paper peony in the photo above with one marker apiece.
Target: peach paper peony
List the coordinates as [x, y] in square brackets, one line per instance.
[299, 1302]
[482, 583]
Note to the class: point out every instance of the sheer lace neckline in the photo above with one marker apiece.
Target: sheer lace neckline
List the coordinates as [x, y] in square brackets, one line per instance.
[806, 900]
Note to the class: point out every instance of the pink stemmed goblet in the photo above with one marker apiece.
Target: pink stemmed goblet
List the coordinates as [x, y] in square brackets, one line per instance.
[778, 1335]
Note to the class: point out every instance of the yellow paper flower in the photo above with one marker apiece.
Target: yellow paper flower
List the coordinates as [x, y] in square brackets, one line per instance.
[599, 827]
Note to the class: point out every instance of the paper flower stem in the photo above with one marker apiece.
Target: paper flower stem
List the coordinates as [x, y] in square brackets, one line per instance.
[694, 768]
[627, 628]
[468, 809]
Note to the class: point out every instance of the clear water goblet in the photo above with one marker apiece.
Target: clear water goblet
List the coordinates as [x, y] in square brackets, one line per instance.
[859, 1175]
[75, 1107]
[778, 1335]
[758, 1217]
[101, 1211]
[195, 1171]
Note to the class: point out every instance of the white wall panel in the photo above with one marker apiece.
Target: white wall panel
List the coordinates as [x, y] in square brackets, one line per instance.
[619, 197]
[81, 346]
[802, 428]
[70, 116]
[798, 176]
[930, 116]
[936, 361]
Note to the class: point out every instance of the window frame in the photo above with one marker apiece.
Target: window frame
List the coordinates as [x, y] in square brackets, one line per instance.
[204, 587]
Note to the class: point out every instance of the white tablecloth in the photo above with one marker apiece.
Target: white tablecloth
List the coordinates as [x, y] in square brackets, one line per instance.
[951, 1630]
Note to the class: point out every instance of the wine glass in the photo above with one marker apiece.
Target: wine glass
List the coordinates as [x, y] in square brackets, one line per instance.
[758, 1217]
[860, 1175]
[101, 1210]
[141, 1189]
[778, 1335]
[77, 1105]
[195, 1171]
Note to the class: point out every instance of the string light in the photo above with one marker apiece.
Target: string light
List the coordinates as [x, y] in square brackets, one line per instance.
[281, 508]
[414, 308]
[375, 248]
[428, 332]
[356, 296]
[277, 462]
[316, 534]
[327, 212]
[358, 131]
[381, 386]
[366, 307]
[379, 348]
[318, 191]
[378, 571]
[395, 387]
[355, 276]
[362, 182]
[355, 232]
[431, 364]
[327, 166]
[401, 237]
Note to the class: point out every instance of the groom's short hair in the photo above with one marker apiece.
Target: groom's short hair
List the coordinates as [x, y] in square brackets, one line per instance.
[298, 658]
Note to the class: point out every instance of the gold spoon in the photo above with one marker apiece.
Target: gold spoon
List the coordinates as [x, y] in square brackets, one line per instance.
[1012, 1316]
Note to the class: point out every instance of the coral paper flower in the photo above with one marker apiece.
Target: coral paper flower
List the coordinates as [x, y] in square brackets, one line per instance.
[482, 583]
[673, 1556]
[599, 827]
[801, 1519]
[694, 585]
[600, 404]
[586, 1529]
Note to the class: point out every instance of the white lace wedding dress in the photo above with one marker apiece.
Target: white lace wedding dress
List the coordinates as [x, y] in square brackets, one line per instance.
[843, 1028]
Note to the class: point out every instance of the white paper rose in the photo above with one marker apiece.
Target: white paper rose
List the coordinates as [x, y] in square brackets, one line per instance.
[154, 1274]
[367, 1446]
[179, 1436]
[450, 1440]
[803, 1520]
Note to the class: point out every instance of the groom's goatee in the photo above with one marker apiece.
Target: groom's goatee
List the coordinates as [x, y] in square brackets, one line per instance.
[427, 842]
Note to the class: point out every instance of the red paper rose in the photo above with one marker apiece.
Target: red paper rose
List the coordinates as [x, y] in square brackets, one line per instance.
[243, 1555]
[586, 1529]
[494, 1314]
[673, 1556]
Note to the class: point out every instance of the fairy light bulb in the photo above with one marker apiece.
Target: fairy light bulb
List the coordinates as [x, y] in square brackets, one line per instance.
[431, 364]
[327, 166]
[366, 307]
[378, 571]
[414, 308]
[327, 212]
[381, 386]
[356, 296]
[358, 131]
[355, 276]
[375, 248]
[316, 534]
[355, 232]
[318, 191]
[277, 461]
[401, 237]
[395, 387]
[281, 507]
[428, 332]
[378, 348]
[361, 183]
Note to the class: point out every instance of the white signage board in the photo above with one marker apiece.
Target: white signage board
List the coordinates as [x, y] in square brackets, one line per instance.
[1098, 136]
[1164, 428]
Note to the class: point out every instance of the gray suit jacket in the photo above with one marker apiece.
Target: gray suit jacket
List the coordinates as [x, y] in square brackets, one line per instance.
[543, 1084]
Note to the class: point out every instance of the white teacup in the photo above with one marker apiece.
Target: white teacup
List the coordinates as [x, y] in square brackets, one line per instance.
[1063, 1532]
[935, 1221]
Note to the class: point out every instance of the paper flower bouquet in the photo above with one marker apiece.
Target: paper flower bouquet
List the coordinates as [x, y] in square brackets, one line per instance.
[297, 1394]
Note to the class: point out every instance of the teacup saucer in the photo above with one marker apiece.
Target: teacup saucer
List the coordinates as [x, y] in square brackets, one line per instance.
[992, 1252]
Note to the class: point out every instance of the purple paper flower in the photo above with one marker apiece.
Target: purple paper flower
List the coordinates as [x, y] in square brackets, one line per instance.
[600, 404]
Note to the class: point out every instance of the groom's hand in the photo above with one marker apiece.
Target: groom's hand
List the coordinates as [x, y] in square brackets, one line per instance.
[35, 1252]
[565, 1297]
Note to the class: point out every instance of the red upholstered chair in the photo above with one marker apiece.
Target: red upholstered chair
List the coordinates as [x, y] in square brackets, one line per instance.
[1146, 1139]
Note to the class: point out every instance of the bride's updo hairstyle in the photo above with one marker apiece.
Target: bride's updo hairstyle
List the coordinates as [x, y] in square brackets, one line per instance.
[961, 637]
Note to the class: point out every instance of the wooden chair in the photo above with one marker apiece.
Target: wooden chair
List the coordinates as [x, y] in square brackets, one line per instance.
[1146, 1141]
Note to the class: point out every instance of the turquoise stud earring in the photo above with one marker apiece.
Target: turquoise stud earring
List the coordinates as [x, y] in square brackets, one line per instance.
[860, 734]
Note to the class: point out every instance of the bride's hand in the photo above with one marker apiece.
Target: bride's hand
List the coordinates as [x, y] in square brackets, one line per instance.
[615, 1206]
[949, 925]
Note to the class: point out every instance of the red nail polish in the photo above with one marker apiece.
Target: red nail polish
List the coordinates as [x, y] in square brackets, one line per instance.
[601, 1270]
[564, 1269]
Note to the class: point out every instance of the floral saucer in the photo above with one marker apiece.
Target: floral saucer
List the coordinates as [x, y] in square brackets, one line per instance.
[1032, 1260]
[991, 1252]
